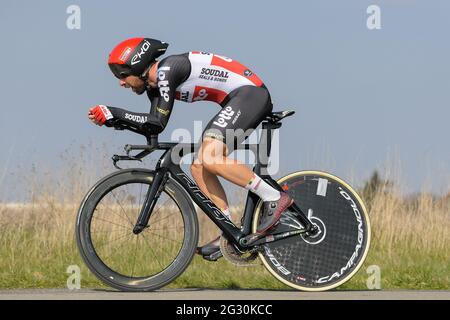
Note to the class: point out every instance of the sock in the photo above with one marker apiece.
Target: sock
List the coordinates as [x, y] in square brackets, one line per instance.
[263, 189]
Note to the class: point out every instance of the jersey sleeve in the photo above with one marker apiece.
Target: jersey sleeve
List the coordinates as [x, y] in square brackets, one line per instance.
[172, 71]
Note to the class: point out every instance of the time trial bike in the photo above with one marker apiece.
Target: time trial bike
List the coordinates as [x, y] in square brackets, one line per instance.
[137, 229]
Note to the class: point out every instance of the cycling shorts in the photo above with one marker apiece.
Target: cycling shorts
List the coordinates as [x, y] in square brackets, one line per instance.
[242, 111]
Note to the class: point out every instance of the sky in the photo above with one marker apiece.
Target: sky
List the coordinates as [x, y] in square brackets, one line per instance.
[365, 99]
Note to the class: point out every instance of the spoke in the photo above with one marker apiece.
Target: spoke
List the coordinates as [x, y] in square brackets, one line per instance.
[158, 235]
[119, 225]
[151, 250]
[151, 229]
[106, 259]
[112, 211]
[162, 205]
[137, 207]
[117, 200]
[134, 258]
[109, 231]
[121, 245]
[154, 222]
[116, 239]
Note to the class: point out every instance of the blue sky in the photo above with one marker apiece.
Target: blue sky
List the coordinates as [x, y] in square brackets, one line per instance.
[365, 99]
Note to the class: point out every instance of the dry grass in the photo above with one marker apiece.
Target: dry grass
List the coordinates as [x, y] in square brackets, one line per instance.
[411, 240]
[422, 223]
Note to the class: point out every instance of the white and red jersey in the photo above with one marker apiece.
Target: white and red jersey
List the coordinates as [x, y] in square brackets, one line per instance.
[212, 77]
[197, 76]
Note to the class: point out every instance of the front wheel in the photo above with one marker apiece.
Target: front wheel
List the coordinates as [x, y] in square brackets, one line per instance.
[116, 255]
[333, 255]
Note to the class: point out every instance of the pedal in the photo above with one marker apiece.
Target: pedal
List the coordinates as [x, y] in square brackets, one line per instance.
[213, 256]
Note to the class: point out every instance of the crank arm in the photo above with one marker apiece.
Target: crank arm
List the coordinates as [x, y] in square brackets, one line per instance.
[255, 239]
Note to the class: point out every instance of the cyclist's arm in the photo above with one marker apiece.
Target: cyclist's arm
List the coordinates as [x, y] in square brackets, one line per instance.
[172, 71]
[134, 119]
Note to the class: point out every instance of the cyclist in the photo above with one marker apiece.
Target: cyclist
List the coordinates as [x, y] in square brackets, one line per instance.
[190, 77]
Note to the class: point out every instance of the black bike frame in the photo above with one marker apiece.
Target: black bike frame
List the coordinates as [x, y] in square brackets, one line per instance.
[166, 167]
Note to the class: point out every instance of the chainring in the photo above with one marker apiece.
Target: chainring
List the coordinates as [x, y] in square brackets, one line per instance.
[236, 257]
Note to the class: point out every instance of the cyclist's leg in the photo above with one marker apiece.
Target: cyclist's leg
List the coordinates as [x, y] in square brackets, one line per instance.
[212, 156]
[244, 110]
[214, 160]
[209, 184]
[234, 123]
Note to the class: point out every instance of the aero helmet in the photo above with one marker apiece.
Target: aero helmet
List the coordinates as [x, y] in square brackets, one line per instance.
[134, 56]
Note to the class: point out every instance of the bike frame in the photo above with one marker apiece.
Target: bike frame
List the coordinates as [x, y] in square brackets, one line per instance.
[166, 167]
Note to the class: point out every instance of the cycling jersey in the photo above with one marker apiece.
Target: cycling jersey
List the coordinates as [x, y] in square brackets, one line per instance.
[213, 77]
[200, 76]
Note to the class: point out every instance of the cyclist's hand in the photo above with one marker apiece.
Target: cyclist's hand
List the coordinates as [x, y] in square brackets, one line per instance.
[99, 114]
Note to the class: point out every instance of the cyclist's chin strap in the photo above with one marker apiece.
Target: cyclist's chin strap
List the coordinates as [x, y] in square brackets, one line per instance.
[144, 75]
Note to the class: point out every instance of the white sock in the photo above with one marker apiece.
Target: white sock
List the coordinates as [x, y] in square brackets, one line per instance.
[263, 189]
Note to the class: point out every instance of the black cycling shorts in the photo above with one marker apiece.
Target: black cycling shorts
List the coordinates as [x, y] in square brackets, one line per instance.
[242, 111]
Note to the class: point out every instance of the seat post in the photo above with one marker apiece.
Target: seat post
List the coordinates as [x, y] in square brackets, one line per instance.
[265, 146]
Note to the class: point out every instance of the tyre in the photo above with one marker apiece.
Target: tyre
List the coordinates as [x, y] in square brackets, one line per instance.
[332, 256]
[118, 257]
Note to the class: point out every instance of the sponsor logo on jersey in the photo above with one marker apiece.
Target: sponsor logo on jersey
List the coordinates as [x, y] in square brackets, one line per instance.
[163, 111]
[214, 135]
[201, 95]
[236, 117]
[214, 75]
[224, 116]
[163, 84]
[184, 96]
[137, 57]
[214, 72]
[135, 118]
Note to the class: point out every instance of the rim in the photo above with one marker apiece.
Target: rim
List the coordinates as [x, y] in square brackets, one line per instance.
[366, 249]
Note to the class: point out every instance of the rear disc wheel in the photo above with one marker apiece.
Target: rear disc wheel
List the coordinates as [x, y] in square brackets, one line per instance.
[330, 257]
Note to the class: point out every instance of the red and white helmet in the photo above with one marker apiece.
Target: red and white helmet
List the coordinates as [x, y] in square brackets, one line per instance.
[134, 56]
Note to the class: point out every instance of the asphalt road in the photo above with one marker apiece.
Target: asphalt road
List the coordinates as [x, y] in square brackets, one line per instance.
[208, 294]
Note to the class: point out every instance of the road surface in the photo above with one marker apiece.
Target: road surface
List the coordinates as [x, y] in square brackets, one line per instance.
[208, 294]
